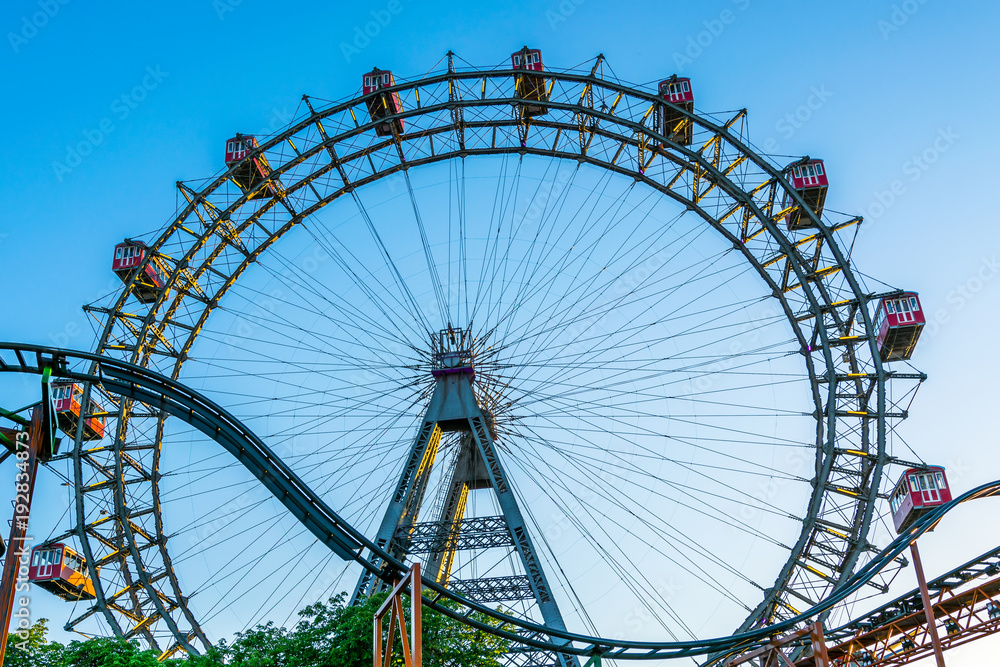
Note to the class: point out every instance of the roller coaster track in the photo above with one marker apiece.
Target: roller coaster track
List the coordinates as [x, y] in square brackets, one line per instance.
[966, 604]
[161, 393]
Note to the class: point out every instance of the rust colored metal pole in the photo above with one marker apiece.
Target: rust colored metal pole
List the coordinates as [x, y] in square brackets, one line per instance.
[393, 605]
[928, 608]
[821, 656]
[18, 552]
[416, 624]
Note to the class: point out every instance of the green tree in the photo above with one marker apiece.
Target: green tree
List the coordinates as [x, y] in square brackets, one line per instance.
[334, 633]
[32, 649]
[330, 634]
[108, 652]
[211, 658]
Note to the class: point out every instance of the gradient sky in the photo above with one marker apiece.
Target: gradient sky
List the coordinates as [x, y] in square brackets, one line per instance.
[107, 106]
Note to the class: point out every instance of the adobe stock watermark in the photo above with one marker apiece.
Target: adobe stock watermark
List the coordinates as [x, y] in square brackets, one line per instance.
[767, 490]
[33, 24]
[701, 41]
[223, 7]
[640, 616]
[562, 12]
[546, 195]
[72, 328]
[264, 309]
[963, 294]
[794, 121]
[363, 35]
[559, 521]
[898, 17]
[913, 169]
[121, 108]
[22, 499]
[957, 470]
[279, 118]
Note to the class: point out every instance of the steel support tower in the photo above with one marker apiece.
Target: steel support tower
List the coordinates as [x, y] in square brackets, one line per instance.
[454, 407]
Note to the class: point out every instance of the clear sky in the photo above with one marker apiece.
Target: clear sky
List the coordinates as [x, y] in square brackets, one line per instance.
[107, 104]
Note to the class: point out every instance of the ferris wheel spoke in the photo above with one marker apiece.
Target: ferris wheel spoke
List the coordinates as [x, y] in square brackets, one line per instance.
[633, 468]
[625, 383]
[404, 301]
[495, 315]
[432, 271]
[528, 285]
[273, 321]
[621, 430]
[410, 301]
[588, 345]
[654, 455]
[614, 336]
[688, 376]
[243, 571]
[353, 316]
[577, 285]
[600, 520]
[376, 367]
[672, 537]
[581, 287]
[307, 574]
[332, 586]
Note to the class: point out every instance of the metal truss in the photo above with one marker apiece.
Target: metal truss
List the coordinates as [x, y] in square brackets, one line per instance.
[454, 406]
[486, 532]
[333, 150]
[161, 394]
[494, 589]
[524, 655]
[966, 605]
[776, 652]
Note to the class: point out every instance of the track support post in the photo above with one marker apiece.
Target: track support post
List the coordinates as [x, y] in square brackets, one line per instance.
[393, 605]
[928, 607]
[780, 651]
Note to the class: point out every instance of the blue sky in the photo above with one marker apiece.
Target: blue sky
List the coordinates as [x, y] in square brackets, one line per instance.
[107, 106]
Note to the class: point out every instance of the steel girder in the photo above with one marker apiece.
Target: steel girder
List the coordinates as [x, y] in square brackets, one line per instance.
[486, 532]
[454, 406]
[494, 589]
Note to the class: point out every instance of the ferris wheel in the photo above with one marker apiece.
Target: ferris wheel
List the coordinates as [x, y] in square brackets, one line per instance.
[573, 345]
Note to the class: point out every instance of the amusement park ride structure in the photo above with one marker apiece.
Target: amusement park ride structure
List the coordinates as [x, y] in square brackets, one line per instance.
[893, 634]
[123, 392]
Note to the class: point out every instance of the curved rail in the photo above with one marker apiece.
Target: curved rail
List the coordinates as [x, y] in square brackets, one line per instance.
[141, 384]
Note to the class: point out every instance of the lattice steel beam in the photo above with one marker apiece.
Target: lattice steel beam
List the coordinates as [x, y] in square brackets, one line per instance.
[475, 533]
[494, 589]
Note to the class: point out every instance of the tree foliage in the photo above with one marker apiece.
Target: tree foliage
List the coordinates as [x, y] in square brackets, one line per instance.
[327, 634]
[31, 648]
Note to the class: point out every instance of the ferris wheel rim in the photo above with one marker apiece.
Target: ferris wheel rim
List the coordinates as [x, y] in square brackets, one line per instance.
[821, 228]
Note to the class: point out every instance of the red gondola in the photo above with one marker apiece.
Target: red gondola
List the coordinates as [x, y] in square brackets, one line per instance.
[808, 178]
[528, 85]
[673, 124]
[66, 400]
[898, 321]
[249, 172]
[60, 570]
[149, 280]
[385, 104]
[918, 491]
